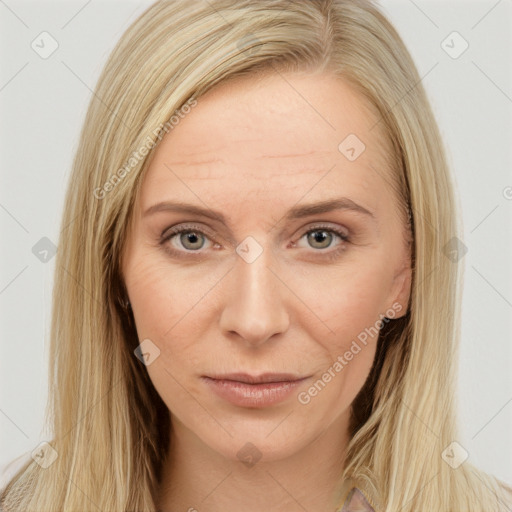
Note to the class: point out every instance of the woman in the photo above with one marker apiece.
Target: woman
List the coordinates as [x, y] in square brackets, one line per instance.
[207, 353]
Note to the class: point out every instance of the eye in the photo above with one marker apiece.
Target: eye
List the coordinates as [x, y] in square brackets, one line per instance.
[321, 237]
[184, 238]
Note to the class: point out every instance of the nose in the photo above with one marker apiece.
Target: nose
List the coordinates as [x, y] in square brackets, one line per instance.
[255, 308]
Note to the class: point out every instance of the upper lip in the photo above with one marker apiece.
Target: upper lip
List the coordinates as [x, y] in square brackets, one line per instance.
[257, 379]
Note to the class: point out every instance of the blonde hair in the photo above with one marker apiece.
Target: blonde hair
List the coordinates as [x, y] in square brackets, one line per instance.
[110, 427]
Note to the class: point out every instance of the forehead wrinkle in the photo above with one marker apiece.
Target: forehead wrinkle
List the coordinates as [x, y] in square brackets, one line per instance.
[216, 158]
[208, 171]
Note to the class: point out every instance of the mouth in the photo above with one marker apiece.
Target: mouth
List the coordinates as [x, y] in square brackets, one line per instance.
[254, 391]
[262, 378]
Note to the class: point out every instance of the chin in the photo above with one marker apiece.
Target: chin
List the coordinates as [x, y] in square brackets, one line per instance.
[251, 450]
[253, 441]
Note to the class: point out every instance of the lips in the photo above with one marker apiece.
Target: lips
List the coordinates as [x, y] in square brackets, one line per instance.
[257, 379]
[254, 391]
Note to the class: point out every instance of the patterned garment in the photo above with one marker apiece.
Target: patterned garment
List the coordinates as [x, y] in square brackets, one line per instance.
[356, 502]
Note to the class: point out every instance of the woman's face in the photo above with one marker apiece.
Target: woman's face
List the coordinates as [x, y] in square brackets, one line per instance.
[263, 314]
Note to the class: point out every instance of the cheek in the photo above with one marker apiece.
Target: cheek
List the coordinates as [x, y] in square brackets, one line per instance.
[172, 307]
[164, 299]
[149, 298]
[349, 300]
[163, 303]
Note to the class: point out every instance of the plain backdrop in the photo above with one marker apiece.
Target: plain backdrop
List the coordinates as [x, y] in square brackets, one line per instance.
[43, 103]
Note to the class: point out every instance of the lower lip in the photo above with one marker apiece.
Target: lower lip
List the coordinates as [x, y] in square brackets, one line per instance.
[253, 395]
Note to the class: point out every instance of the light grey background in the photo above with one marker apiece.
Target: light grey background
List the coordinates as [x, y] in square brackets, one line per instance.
[43, 103]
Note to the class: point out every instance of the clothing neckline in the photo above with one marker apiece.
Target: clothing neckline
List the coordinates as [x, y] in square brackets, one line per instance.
[356, 501]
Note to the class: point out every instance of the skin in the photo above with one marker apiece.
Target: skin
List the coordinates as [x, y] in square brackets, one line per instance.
[252, 149]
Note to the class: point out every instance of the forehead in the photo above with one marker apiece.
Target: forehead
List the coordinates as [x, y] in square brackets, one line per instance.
[270, 139]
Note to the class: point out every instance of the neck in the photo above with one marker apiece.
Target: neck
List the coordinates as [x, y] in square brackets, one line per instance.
[197, 478]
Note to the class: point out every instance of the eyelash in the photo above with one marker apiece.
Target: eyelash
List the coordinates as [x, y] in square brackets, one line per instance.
[330, 256]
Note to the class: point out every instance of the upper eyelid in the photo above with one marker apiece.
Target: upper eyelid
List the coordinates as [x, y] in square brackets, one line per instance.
[180, 228]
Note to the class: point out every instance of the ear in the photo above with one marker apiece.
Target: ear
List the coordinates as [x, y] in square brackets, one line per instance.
[401, 289]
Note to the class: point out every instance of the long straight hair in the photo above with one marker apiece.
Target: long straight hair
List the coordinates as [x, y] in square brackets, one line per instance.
[110, 428]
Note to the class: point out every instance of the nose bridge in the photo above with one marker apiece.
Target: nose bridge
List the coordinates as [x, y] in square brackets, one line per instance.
[254, 306]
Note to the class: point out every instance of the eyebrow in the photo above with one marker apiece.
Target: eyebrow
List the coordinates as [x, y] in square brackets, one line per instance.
[297, 212]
